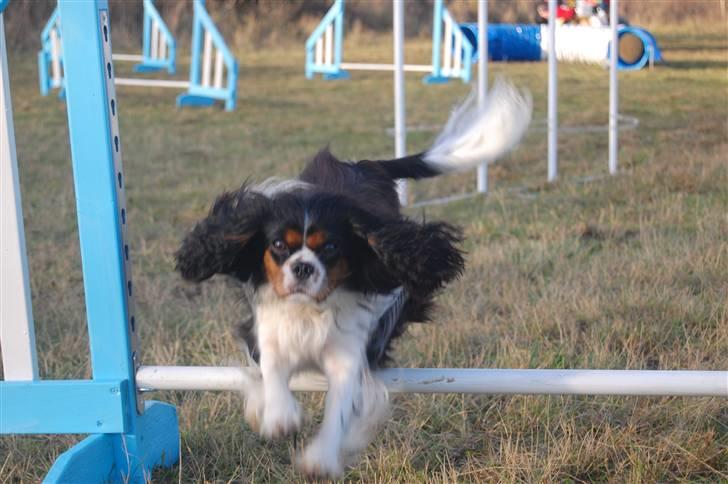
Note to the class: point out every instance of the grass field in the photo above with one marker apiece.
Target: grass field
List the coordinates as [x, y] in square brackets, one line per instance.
[623, 272]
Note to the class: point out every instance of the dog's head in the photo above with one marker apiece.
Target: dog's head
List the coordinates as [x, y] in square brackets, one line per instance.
[306, 243]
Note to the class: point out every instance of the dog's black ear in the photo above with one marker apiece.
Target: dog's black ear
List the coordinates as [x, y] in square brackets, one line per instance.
[423, 257]
[228, 240]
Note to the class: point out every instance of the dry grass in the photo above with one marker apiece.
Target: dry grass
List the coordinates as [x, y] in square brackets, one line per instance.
[624, 272]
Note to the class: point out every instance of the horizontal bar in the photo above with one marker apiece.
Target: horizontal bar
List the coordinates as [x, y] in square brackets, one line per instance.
[449, 380]
[122, 81]
[358, 66]
[64, 407]
[127, 57]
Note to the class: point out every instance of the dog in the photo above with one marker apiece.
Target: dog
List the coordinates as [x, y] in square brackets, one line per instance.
[336, 272]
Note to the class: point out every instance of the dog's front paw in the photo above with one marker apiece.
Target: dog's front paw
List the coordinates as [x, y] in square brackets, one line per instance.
[254, 409]
[320, 460]
[281, 418]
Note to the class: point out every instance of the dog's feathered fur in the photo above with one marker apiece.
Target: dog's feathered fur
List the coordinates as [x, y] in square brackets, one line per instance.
[337, 272]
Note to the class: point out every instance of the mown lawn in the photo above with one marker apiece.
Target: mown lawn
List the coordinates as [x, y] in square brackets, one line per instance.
[619, 272]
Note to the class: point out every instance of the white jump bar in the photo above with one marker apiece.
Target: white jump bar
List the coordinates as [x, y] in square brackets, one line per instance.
[122, 81]
[449, 380]
[356, 66]
[127, 57]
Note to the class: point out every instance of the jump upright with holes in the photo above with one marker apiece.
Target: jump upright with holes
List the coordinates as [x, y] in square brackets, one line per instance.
[130, 435]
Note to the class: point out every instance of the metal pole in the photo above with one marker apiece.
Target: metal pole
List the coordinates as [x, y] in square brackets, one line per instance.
[553, 128]
[458, 380]
[613, 89]
[482, 186]
[400, 133]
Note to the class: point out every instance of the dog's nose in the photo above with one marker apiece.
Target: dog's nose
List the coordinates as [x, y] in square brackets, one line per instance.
[302, 270]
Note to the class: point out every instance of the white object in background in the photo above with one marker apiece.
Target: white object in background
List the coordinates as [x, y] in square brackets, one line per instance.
[17, 335]
[207, 60]
[400, 129]
[482, 183]
[553, 127]
[613, 90]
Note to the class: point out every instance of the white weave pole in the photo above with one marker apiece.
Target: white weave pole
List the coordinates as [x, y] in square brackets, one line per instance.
[553, 127]
[482, 185]
[17, 335]
[400, 132]
[613, 89]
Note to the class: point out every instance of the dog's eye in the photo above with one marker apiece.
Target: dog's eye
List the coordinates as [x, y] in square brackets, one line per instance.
[330, 247]
[278, 244]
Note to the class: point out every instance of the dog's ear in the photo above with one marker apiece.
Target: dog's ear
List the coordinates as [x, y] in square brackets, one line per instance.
[422, 257]
[228, 240]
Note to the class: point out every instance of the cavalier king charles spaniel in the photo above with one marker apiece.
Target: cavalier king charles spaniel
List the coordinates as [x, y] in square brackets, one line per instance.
[335, 272]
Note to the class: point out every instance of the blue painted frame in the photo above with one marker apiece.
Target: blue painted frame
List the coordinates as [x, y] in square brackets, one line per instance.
[130, 436]
[44, 57]
[151, 64]
[437, 77]
[197, 94]
[335, 15]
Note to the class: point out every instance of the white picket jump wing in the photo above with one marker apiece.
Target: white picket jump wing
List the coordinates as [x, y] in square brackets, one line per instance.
[457, 55]
[219, 69]
[207, 60]
[447, 46]
[154, 39]
[329, 43]
[162, 45]
[55, 57]
[17, 336]
[319, 59]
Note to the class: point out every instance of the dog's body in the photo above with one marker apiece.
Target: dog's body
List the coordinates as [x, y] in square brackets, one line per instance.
[337, 272]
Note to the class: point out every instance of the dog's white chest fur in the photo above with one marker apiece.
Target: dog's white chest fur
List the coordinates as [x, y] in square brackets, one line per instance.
[299, 329]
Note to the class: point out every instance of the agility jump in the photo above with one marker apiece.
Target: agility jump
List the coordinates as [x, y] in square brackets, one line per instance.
[130, 436]
[209, 80]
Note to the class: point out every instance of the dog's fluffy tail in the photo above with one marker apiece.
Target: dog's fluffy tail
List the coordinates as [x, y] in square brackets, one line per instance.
[473, 135]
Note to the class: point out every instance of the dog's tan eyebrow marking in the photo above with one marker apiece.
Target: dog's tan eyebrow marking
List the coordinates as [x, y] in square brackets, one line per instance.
[315, 239]
[293, 238]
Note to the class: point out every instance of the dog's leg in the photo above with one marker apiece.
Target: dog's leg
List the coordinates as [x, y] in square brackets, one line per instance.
[344, 372]
[281, 413]
[370, 410]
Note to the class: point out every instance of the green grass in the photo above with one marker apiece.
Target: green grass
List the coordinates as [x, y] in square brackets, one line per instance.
[623, 272]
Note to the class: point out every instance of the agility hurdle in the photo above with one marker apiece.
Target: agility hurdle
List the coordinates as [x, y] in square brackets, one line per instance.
[208, 81]
[206, 85]
[159, 49]
[129, 436]
[452, 52]
[50, 56]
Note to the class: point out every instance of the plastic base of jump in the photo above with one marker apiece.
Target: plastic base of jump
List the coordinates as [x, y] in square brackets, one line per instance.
[142, 68]
[436, 79]
[194, 100]
[341, 75]
[123, 458]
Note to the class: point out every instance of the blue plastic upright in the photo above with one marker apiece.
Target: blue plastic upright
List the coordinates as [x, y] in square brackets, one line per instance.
[147, 434]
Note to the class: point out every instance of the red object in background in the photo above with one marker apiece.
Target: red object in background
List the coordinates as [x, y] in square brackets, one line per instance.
[565, 13]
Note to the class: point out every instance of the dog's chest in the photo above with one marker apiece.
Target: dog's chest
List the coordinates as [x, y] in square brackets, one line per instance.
[302, 329]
